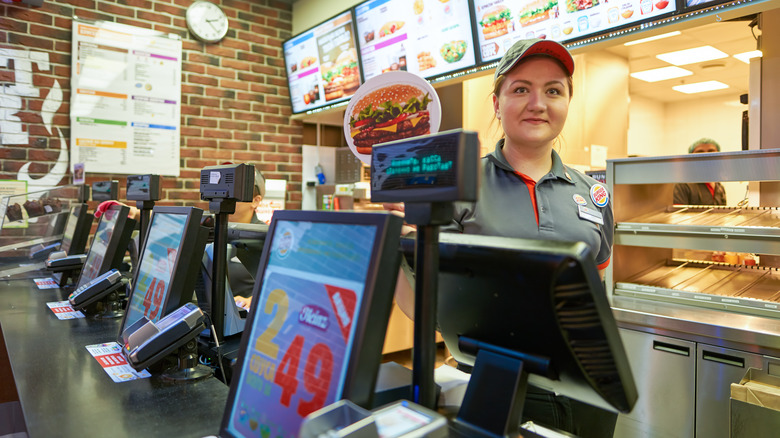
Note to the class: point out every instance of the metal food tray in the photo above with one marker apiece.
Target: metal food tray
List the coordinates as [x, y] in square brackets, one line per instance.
[743, 221]
[747, 289]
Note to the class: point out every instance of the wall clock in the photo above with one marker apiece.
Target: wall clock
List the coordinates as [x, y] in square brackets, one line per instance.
[207, 21]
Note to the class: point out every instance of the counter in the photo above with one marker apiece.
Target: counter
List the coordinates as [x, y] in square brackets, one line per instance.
[63, 391]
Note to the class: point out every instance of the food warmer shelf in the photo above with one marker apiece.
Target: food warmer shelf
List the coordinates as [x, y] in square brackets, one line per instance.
[748, 289]
[747, 221]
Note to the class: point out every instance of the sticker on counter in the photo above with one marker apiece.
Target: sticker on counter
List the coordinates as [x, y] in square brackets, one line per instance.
[109, 356]
[63, 310]
[46, 283]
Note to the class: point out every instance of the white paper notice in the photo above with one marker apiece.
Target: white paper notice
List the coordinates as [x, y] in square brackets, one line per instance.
[46, 283]
[109, 356]
[125, 99]
[63, 310]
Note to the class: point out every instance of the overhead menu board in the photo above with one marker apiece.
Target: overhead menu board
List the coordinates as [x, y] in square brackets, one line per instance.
[126, 99]
[322, 65]
[427, 37]
[502, 22]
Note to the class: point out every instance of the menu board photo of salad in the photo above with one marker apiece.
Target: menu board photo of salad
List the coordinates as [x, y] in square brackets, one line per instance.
[502, 22]
[322, 65]
[429, 38]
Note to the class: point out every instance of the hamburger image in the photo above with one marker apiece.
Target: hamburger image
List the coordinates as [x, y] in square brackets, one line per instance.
[496, 22]
[389, 113]
[331, 76]
[348, 66]
[537, 11]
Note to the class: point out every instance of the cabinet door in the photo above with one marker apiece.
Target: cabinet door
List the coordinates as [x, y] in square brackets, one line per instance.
[716, 369]
[664, 373]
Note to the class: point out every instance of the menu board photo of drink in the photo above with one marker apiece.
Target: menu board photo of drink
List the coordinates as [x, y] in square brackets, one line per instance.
[502, 22]
[322, 65]
[429, 38]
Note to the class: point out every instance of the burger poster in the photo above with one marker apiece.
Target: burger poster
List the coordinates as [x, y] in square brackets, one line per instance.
[426, 37]
[322, 66]
[502, 22]
[392, 106]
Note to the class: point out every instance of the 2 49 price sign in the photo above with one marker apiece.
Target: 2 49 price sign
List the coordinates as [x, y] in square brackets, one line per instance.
[296, 354]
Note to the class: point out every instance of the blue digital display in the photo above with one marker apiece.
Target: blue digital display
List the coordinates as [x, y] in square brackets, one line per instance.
[304, 325]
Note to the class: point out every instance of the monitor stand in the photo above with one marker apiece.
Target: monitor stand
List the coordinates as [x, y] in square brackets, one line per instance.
[111, 307]
[188, 368]
[493, 403]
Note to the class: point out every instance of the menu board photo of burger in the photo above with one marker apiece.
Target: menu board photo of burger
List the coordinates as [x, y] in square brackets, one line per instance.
[322, 64]
[502, 22]
[496, 21]
[390, 107]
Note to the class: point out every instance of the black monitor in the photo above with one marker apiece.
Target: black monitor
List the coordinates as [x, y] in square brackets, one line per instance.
[541, 301]
[105, 190]
[319, 313]
[168, 265]
[77, 228]
[108, 244]
[248, 240]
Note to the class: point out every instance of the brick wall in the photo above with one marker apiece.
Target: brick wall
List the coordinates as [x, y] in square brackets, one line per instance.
[235, 104]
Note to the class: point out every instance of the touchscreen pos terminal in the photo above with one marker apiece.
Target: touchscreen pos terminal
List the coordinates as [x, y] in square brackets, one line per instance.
[319, 313]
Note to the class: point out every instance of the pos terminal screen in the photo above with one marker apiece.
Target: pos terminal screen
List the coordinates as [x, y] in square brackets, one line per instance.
[156, 268]
[100, 244]
[304, 326]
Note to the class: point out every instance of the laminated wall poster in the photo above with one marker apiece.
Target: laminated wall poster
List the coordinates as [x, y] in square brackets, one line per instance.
[126, 99]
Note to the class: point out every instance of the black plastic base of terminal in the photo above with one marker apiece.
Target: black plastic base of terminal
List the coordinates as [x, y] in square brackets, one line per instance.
[393, 383]
[225, 356]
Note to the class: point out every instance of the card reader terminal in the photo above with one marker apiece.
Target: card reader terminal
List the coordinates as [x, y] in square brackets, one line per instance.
[96, 289]
[146, 342]
[66, 263]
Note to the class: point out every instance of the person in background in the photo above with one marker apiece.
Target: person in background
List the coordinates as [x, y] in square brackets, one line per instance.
[711, 193]
[241, 281]
[527, 192]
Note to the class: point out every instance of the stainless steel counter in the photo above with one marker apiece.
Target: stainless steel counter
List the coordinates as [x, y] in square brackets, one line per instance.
[750, 333]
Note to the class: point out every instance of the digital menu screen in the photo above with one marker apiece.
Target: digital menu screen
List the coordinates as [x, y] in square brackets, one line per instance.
[156, 268]
[304, 326]
[699, 4]
[322, 65]
[426, 37]
[502, 22]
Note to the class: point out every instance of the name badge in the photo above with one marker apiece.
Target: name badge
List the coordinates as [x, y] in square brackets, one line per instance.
[590, 215]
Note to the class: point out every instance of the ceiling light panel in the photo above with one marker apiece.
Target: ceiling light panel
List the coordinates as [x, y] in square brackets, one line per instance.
[653, 38]
[747, 56]
[661, 74]
[692, 56]
[700, 87]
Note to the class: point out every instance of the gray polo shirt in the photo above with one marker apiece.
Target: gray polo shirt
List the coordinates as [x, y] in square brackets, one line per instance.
[570, 206]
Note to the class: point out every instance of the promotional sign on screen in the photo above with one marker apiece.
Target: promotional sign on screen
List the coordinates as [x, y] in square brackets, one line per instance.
[156, 268]
[322, 65]
[304, 324]
[427, 37]
[502, 22]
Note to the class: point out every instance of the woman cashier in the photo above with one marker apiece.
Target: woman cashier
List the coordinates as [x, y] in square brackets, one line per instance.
[527, 192]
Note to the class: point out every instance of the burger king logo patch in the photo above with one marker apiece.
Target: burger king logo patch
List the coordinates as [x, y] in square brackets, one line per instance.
[599, 195]
[579, 200]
